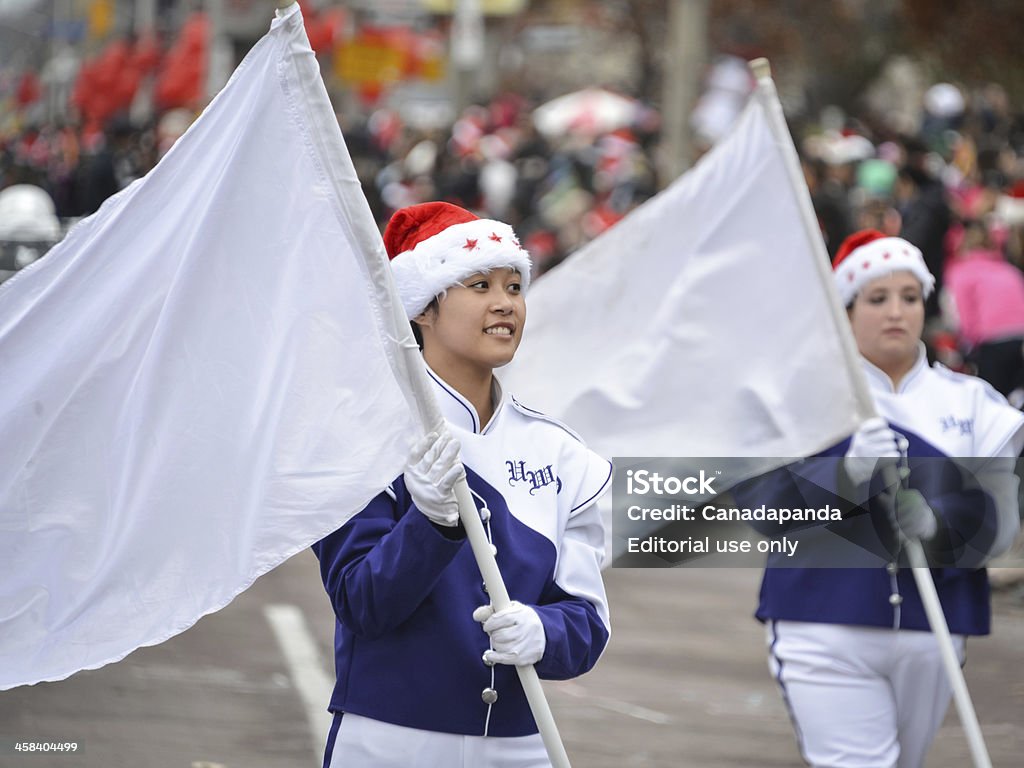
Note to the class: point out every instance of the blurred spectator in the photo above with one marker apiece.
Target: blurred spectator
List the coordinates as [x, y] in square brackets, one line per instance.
[984, 303]
[921, 202]
[831, 202]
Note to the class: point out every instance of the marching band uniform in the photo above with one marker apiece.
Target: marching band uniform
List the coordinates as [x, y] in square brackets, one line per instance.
[413, 684]
[851, 648]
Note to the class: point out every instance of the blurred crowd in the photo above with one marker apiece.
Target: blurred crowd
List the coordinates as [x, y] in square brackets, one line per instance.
[954, 186]
[559, 190]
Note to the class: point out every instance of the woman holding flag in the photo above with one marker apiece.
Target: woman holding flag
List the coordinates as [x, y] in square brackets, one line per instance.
[851, 649]
[425, 667]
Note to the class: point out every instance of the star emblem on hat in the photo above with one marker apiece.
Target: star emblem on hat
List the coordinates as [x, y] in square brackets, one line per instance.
[495, 237]
[470, 244]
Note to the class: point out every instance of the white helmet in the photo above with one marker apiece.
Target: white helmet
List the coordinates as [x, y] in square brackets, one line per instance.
[27, 214]
[29, 226]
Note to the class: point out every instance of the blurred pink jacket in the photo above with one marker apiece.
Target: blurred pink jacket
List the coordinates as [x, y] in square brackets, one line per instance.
[989, 296]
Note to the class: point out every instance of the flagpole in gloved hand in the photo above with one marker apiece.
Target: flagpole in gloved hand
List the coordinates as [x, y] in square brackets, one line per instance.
[937, 621]
[410, 367]
[922, 575]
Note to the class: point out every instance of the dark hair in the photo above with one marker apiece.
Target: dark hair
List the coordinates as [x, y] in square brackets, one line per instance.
[416, 332]
[916, 176]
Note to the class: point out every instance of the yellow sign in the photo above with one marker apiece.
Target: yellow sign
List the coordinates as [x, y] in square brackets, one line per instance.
[368, 63]
[101, 18]
[487, 7]
[432, 68]
[382, 59]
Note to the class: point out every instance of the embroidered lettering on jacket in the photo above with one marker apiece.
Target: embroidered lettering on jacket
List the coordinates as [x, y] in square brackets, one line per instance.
[966, 426]
[536, 478]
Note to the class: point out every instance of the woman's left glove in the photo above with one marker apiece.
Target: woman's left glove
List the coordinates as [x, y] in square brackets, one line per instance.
[517, 634]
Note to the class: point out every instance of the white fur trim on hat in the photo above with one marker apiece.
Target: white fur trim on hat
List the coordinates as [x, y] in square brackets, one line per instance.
[452, 255]
[877, 259]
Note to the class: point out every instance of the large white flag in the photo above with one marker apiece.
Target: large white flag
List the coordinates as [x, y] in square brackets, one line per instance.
[197, 383]
[700, 325]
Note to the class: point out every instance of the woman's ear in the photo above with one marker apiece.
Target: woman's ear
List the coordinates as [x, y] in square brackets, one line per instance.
[426, 318]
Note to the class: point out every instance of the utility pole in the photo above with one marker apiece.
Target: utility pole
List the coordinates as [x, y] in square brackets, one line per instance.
[467, 51]
[145, 16]
[686, 55]
[220, 57]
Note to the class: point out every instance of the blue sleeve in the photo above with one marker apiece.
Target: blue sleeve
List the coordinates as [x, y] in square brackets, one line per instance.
[967, 515]
[383, 563]
[575, 636]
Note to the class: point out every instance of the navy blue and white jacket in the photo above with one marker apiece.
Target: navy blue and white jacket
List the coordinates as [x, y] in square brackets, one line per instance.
[943, 415]
[407, 650]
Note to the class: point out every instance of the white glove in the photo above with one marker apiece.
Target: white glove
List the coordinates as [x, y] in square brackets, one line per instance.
[872, 441]
[434, 468]
[912, 518]
[517, 634]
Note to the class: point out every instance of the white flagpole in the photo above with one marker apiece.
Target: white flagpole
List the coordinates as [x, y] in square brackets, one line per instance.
[922, 575]
[962, 697]
[410, 366]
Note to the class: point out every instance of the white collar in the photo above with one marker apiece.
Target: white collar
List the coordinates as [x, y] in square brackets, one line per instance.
[880, 380]
[457, 410]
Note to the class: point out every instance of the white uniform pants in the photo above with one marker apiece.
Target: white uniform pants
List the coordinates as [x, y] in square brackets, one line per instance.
[860, 697]
[360, 742]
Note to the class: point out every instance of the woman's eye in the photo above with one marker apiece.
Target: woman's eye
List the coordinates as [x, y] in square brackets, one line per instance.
[876, 299]
[515, 288]
[479, 284]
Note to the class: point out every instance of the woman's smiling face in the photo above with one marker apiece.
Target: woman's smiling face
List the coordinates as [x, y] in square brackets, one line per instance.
[477, 323]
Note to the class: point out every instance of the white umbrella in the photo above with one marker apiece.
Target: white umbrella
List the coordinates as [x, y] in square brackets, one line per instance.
[591, 110]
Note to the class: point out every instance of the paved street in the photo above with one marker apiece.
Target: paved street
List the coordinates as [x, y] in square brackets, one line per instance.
[684, 683]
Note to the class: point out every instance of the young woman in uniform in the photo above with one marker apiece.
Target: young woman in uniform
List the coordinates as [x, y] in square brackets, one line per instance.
[425, 669]
[851, 648]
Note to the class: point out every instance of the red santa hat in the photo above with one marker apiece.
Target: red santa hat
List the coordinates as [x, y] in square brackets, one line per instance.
[433, 246]
[868, 255]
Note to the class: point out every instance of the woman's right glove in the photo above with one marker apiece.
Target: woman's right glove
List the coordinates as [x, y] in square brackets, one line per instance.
[517, 634]
[434, 469]
[872, 441]
[912, 518]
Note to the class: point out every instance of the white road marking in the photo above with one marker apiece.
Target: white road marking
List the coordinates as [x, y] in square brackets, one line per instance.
[632, 710]
[232, 679]
[578, 691]
[306, 666]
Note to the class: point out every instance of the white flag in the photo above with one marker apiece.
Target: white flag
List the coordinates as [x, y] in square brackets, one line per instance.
[198, 382]
[700, 325]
